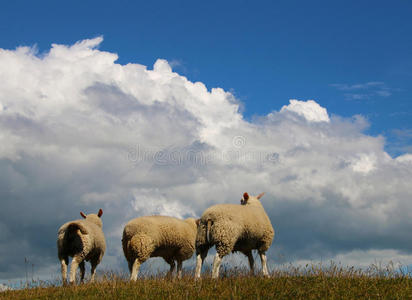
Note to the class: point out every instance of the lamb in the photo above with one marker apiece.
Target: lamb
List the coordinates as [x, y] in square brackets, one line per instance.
[234, 227]
[158, 236]
[84, 241]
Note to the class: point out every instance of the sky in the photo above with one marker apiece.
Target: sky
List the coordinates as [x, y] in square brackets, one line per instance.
[170, 107]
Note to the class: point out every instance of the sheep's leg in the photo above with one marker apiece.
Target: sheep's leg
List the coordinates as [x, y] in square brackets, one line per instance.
[264, 266]
[130, 264]
[73, 268]
[94, 264]
[64, 262]
[135, 270]
[172, 264]
[199, 262]
[82, 269]
[216, 265]
[179, 269]
[251, 262]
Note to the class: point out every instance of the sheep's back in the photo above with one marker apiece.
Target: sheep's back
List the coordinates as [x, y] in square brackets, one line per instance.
[250, 221]
[242, 214]
[164, 230]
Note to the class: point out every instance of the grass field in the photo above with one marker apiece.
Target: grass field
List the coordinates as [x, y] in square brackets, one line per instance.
[295, 283]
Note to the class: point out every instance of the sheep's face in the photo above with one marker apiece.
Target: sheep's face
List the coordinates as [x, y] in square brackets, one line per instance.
[94, 218]
[247, 200]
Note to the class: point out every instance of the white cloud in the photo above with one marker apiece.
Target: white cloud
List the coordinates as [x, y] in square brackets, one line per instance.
[384, 93]
[405, 158]
[379, 259]
[310, 110]
[359, 86]
[81, 132]
[366, 90]
[148, 202]
[364, 163]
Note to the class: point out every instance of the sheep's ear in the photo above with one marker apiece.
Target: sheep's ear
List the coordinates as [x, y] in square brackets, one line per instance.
[100, 213]
[83, 215]
[197, 222]
[245, 196]
[260, 195]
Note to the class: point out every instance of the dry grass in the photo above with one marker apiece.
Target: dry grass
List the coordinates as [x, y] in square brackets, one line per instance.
[310, 282]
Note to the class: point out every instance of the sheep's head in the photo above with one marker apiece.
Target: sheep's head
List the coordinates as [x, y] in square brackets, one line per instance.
[95, 218]
[246, 199]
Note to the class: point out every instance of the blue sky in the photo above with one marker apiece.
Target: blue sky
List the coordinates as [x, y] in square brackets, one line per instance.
[79, 132]
[265, 52]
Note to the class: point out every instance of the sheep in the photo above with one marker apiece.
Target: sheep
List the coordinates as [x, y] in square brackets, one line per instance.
[158, 236]
[83, 240]
[234, 227]
[4, 288]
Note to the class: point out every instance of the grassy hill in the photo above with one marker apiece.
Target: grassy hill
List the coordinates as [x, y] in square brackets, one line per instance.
[305, 283]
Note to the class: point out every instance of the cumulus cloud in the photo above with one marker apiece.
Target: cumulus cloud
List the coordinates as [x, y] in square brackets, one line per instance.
[79, 131]
[405, 158]
[310, 110]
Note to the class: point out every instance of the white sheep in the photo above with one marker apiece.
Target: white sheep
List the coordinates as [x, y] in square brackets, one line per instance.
[158, 236]
[4, 288]
[234, 227]
[84, 241]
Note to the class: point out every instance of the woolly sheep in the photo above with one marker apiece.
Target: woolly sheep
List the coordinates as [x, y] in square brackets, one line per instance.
[234, 227]
[4, 288]
[83, 240]
[158, 236]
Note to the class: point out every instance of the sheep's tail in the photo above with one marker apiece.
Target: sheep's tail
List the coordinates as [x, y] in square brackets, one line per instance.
[74, 227]
[208, 226]
[126, 247]
[67, 237]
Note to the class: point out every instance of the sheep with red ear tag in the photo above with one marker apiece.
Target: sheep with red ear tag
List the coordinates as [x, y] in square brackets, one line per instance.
[231, 228]
[84, 241]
